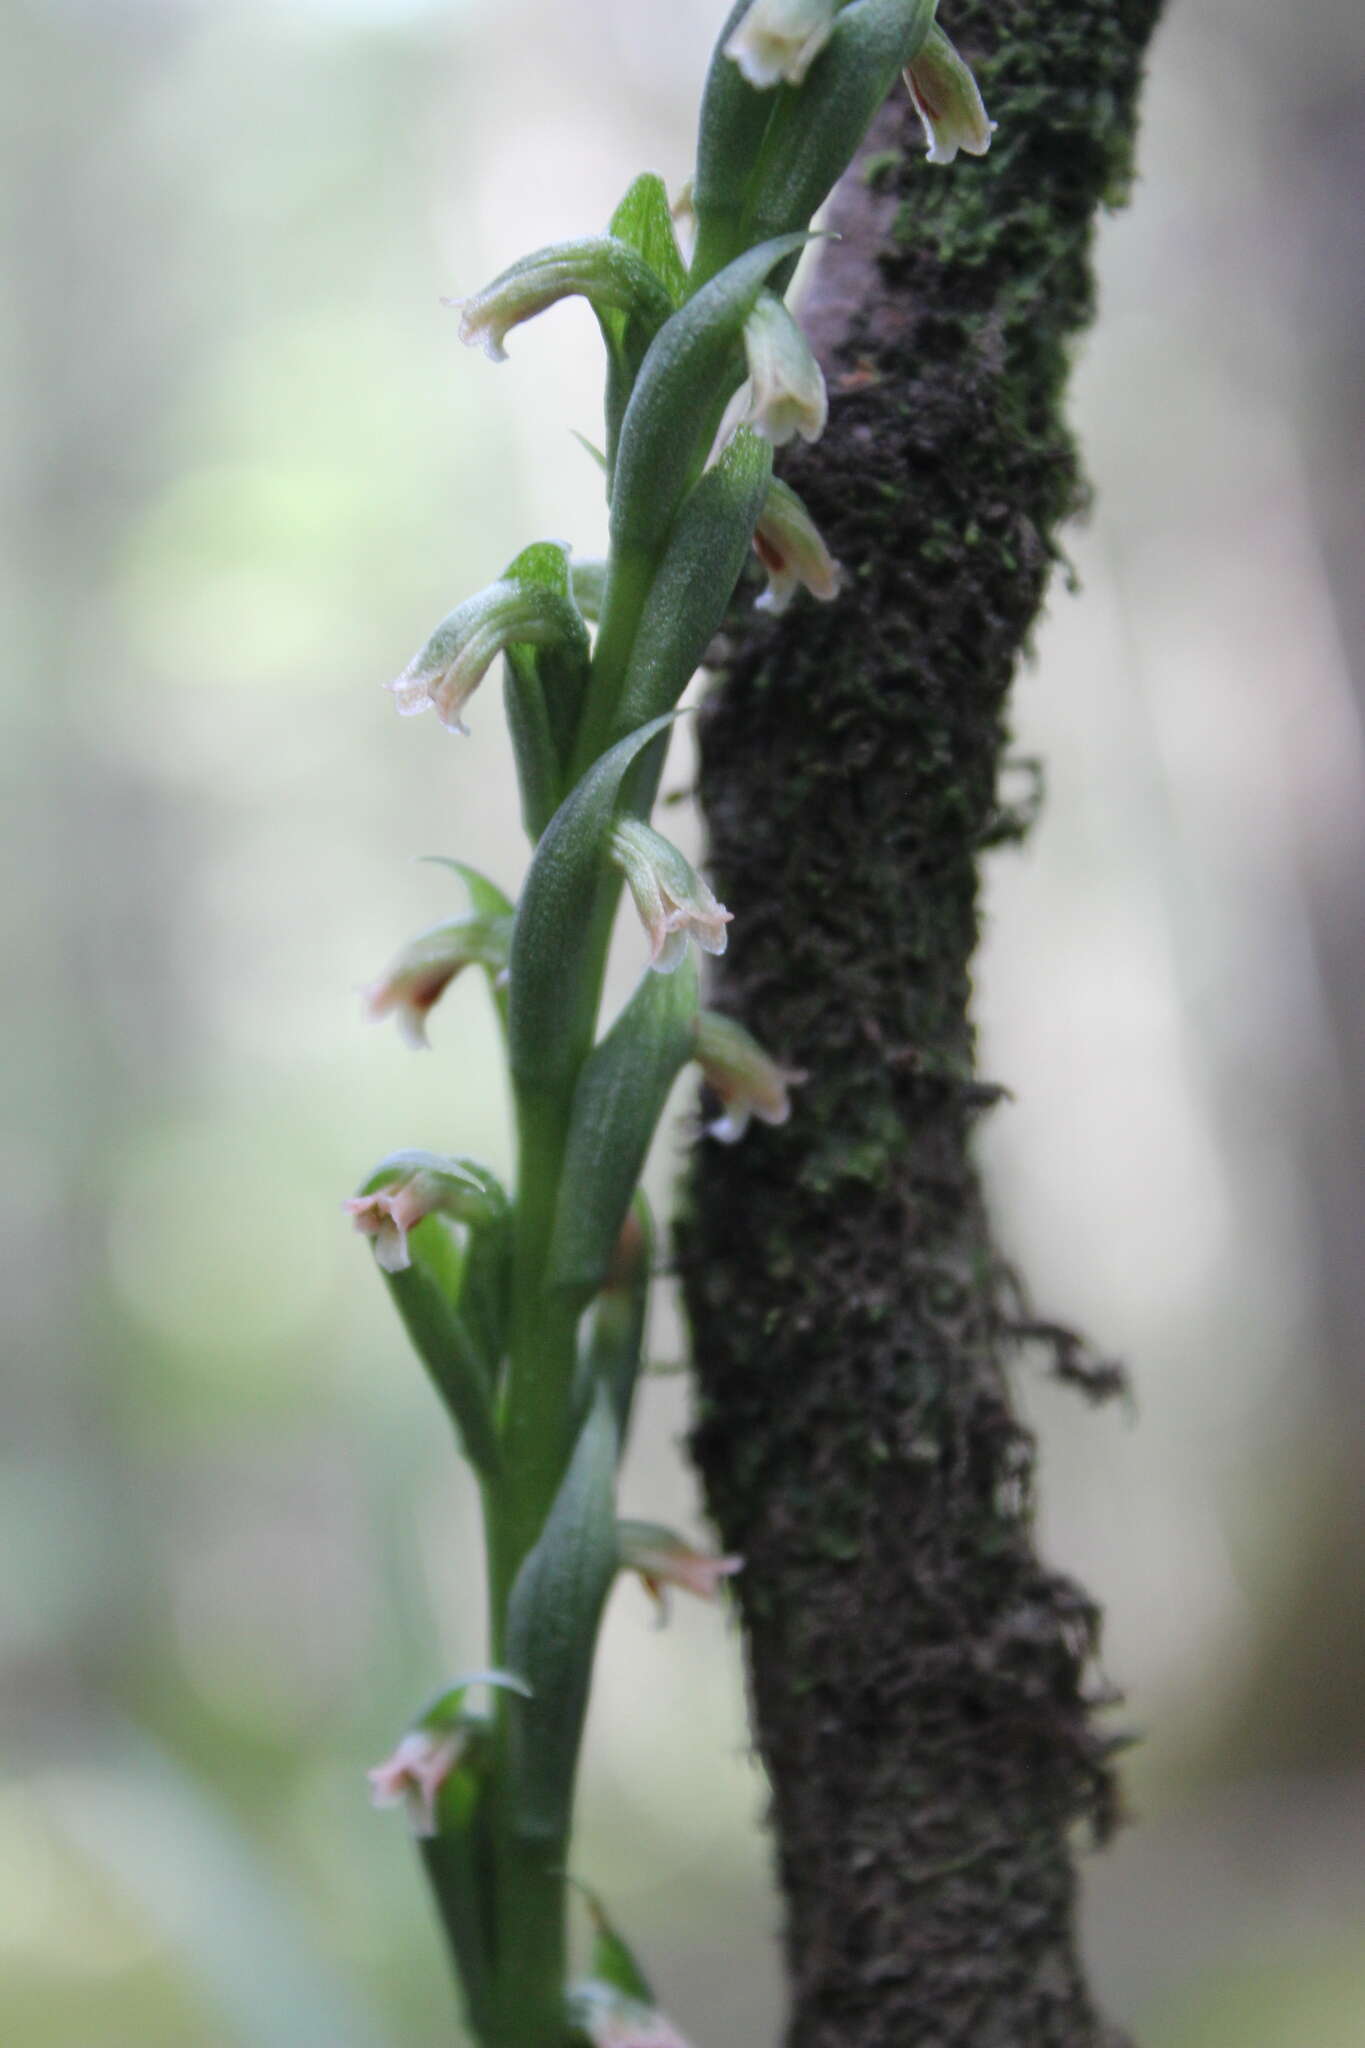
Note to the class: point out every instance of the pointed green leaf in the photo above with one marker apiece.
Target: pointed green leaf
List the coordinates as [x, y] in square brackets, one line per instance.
[458, 1860]
[617, 1104]
[552, 1621]
[568, 895]
[683, 378]
[612, 1960]
[644, 222]
[443, 1340]
[703, 558]
[485, 897]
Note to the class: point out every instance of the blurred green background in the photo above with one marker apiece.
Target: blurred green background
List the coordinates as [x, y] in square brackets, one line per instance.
[247, 468]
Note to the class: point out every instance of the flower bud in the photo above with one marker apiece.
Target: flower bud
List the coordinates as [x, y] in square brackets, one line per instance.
[780, 39]
[412, 1186]
[747, 1080]
[447, 671]
[664, 1560]
[788, 544]
[601, 269]
[415, 982]
[673, 901]
[786, 393]
[947, 100]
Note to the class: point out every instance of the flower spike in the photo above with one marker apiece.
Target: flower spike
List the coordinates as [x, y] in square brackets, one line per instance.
[786, 393]
[948, 101]
[446, 672]
[779, 40]
[788, 544]
[748, 1081]
[673, 901]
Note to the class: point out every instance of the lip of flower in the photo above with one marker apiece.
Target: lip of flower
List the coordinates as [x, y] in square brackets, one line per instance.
[414, 1774]
[778, 40]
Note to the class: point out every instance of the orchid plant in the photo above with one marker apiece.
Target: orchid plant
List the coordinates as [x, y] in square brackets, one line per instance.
[528, 1310]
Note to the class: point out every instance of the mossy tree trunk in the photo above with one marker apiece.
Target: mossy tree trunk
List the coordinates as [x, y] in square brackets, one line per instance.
[921, 1680]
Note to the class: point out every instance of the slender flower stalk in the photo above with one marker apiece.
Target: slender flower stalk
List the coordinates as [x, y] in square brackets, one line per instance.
[529, 1311]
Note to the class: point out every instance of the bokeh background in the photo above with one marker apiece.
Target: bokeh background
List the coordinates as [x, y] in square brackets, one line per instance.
[247, 468]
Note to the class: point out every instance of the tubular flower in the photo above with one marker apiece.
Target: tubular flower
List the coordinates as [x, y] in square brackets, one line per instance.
[948, 101]
[779, 40]
[446, 672]
[407, 1189]
[674, 902]
[414, 1774]
[747, 1080]
[415, 982]
[664, 1560]
[602, 270]
[785, 394]
[788, 544]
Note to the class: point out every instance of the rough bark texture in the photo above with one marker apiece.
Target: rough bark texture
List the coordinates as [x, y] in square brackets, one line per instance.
[920, 1679]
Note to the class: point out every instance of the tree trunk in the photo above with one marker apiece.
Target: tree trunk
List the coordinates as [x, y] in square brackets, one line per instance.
[919, 1677]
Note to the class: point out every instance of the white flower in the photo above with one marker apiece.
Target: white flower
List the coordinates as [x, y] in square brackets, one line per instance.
[423, 971]
[788, 544]
[664, 1560]
[390, 1213]
[785, 394]
[414, 1774]
[748, 1081]
[948, 101]
[446, 672]
[780, 39]
[674, 902]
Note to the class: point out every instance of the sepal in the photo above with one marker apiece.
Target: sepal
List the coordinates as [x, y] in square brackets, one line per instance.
[552, 1620]
[785, 395]
[414, 982]
[664, 1560]
[793, 553]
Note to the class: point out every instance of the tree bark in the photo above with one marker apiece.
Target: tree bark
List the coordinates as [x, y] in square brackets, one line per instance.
[921, 1681]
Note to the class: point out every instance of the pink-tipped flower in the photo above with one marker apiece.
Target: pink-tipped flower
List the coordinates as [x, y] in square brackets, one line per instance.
[664, 1560]
[778, 40]
[446, 672]
[409, 1187]
[748, 1081]
[415, 982]
[414, 1774]
[948, 101]
[674, 902]
[785, 394]
[789, 545]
